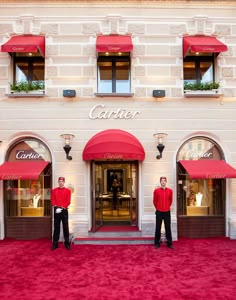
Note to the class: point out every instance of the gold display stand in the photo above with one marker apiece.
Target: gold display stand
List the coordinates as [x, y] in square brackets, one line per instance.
[197, 210]
[32, 211]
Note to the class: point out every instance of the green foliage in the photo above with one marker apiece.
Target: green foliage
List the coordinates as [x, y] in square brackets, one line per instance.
[205, 86]
[27, 86]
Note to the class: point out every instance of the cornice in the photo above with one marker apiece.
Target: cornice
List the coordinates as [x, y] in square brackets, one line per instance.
[119, 3]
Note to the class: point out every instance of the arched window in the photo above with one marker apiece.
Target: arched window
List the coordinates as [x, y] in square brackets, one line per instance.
[29, 197]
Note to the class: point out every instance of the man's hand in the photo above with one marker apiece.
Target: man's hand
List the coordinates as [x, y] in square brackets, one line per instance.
[58, 210]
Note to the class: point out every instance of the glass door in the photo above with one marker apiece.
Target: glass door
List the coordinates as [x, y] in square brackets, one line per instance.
[114, 194]
[96, 191]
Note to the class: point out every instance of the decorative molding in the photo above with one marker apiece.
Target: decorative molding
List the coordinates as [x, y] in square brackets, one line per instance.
[114, 94]
[125, 3]
[200, 24]
[114, 21]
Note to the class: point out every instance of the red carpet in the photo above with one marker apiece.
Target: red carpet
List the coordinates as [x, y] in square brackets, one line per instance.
[196, 269]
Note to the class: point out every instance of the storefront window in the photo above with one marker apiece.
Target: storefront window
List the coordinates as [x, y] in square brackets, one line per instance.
[28, 198]
[200, 197]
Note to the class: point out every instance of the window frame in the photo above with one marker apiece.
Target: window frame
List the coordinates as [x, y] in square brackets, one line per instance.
[197, 60]
[30, 60]
[114, 59]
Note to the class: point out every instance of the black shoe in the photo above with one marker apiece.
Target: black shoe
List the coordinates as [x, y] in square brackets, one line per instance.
[156, 246]
[54, 246]
[67, 246]
[170, 246]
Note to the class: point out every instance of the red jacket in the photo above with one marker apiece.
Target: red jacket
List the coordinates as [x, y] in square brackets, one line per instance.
[162, 199]
[61, 197]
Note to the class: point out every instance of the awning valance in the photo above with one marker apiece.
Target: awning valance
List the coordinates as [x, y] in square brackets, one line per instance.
[22, 170]
[208, 169]
[200, 43]
[25, 43]
[114, 43]
[113, 144]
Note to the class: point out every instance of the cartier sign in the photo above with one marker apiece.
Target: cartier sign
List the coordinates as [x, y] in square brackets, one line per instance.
[192, 154]
[18, 49]
[28, 155]
[113, 156]
[99, 112]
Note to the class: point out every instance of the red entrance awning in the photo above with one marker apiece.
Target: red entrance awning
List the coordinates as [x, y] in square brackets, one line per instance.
[114, 43]
[113, 144]
[25, 43]
[207, 169]
[200, 43]
[22, 170]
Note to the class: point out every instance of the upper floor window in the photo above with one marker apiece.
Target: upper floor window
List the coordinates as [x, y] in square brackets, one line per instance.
[200, 53]
[28, 67]
[28, 61]
[114, 73]
[199, 69]
[114, 64]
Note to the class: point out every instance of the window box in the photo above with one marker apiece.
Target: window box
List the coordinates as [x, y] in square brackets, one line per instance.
[27, 89]
[32, 94]
[200, 93]
[206, 89]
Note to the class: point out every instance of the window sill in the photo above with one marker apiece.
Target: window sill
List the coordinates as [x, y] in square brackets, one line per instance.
[202, 94]
[114, 94]
[26, 95]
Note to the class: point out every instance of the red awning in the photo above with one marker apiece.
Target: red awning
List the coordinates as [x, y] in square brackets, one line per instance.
[114, 43]
[113, 144]
[200, 43]
[207, 169]
[22, 170]
[25, 43]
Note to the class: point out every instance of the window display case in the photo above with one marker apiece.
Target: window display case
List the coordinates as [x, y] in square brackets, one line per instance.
[28, 198]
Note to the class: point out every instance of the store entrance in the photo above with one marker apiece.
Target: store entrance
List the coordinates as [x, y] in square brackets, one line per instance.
[114, 194]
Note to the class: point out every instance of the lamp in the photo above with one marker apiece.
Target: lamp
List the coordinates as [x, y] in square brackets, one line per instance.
[67, 138]
[160, 140]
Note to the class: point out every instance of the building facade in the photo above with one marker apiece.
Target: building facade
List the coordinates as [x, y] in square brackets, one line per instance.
[90, 89]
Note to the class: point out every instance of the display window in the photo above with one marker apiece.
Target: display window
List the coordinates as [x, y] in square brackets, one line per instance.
[28, 197]
[200, 196]
[27, 183]
[201, 189]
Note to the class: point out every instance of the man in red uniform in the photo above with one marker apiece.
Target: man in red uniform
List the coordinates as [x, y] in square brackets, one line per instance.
[162, 200]
[60, 199]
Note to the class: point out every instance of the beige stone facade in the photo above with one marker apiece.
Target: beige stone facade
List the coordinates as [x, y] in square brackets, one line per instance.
[157, 29]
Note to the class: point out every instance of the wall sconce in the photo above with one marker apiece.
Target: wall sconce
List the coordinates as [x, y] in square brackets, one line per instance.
[160, 140]
[67, 138]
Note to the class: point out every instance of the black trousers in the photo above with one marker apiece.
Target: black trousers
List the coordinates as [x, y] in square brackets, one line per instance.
[163, 216]
[58, 218]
